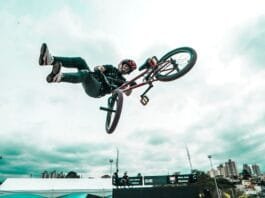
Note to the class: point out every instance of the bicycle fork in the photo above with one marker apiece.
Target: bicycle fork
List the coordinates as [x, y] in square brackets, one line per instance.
[144, 99]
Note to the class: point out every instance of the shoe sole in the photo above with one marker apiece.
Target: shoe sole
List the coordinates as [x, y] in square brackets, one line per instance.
[55, 70]
[42, 52]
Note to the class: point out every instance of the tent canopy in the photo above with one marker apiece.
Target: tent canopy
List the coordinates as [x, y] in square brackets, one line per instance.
[53, 187]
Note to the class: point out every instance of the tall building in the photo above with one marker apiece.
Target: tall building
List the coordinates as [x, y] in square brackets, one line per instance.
[247, 168]
[212, 173]
[230, 169]
[221, 170]
[256, 170]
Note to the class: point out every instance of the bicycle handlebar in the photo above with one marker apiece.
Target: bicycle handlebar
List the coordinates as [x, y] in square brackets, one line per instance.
[142, 67]
[147, 64]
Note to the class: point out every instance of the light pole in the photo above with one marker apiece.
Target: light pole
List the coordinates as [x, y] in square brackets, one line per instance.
[111, 161]
[210, 158]
[117, 161]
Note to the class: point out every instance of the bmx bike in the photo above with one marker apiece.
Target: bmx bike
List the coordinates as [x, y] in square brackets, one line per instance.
[171, 66]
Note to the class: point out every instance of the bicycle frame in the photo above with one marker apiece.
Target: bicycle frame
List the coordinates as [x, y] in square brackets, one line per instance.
[151, 71]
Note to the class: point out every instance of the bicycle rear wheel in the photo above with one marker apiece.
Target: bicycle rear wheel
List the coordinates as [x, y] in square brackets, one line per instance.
[114, 110]
[176, 63]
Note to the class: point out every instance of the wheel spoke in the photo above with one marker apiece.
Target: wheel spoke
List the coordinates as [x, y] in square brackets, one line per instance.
[183, 59]
[170, 67]
[170, 71]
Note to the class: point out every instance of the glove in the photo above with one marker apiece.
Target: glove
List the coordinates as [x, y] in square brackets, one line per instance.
[152, 62]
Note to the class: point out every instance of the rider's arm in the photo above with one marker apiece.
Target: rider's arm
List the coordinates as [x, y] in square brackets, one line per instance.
[127, 93]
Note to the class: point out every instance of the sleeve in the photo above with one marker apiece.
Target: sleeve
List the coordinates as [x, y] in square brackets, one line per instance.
[110, 68]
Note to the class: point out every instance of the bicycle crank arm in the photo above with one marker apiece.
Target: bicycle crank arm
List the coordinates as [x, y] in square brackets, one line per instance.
[107, 109]
[148, 89]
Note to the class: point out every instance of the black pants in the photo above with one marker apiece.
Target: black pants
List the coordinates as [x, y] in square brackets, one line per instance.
[83, 75]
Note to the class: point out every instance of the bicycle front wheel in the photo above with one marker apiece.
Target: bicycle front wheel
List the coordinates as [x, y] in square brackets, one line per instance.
[176, 63]
[114, 110]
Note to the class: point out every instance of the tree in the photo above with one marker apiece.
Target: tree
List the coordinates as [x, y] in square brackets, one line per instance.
[224, 183]
[72, 174]
[204, 181]
[245, 174]
[105, 176]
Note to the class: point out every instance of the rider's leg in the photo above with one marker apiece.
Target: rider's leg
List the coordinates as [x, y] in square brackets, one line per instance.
[55, 75]
[91, 85]
[72, 62]
[46, 58]
[77, 77]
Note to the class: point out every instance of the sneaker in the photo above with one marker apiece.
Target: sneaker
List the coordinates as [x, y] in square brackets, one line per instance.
[55, 75]
[45, 57]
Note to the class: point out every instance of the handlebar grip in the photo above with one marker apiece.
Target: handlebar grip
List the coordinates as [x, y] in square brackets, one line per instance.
[146, 64]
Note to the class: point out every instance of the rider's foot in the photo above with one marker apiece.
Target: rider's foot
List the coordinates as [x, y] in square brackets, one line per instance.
[45, 57]
[55, 75]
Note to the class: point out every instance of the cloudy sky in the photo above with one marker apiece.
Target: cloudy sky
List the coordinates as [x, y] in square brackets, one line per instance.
[217, 108]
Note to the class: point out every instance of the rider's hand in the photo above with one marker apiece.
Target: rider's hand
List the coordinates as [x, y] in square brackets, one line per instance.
[100, 68]
[127, 93]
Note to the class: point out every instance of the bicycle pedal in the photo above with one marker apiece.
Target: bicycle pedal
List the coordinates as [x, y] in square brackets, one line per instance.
[144, 100]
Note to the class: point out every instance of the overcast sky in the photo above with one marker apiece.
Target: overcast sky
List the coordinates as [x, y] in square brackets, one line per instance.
[217, 108]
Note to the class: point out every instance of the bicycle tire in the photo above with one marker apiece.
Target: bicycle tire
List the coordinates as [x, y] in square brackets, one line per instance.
[113, 116]
[187, 68]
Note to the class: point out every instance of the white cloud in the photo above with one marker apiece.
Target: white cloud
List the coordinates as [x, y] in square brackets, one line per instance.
[220, 92]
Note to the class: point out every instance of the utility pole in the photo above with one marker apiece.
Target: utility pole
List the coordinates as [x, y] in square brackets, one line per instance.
[117, 161]
[111, 161]
[217, 191]
[188, 154]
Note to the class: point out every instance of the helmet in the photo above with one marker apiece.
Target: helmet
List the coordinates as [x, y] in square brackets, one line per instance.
[130, 63]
